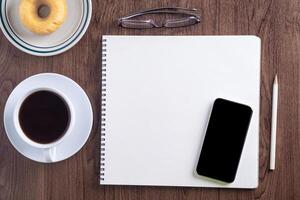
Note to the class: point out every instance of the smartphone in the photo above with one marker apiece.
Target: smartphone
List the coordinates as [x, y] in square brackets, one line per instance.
[224, 140]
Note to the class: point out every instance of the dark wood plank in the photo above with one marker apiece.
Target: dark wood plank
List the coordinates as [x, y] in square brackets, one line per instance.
[277, 22]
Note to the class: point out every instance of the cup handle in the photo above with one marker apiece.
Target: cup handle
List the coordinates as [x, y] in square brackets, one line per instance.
[50, 154]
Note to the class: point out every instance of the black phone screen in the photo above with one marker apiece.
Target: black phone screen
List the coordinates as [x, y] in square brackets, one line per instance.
[224, 140]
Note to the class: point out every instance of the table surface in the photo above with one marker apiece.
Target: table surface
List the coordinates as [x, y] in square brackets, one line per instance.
[276, 22]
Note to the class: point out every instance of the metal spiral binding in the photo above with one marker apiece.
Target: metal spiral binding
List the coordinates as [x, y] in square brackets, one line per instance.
[103, 112]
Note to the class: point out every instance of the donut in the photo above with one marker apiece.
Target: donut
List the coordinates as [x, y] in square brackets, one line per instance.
[42, 16]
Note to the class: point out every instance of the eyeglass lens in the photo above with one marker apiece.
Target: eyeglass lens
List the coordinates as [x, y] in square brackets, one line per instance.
[137, 24]
[180, 22]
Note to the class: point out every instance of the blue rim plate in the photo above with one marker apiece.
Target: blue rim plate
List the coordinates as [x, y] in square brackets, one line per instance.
[42, 50]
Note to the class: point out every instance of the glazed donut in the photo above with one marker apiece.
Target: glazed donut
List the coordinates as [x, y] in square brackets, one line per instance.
[42, 16]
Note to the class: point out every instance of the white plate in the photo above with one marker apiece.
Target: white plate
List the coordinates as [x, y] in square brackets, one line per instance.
[67, 29]
[71, 31]
[82, 125]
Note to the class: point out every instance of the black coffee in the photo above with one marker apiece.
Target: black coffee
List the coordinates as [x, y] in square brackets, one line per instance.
[44, 117]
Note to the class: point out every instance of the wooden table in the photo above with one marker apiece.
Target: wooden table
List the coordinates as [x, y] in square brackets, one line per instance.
[277, 22]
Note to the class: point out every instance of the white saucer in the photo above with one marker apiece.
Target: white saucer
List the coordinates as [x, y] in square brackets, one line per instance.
[77, 21]
[82, 125]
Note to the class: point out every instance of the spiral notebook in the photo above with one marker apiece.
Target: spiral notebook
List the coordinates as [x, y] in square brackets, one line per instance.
[157, 93]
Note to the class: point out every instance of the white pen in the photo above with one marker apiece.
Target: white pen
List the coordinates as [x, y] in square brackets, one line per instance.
[274, 123]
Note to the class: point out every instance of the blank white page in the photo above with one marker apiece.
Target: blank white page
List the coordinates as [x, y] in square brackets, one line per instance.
[158, 92]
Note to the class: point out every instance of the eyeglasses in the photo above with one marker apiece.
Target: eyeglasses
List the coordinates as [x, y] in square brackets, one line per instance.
[191, 19]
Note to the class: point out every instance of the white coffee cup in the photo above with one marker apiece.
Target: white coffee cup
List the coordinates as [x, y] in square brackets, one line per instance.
[49, 148]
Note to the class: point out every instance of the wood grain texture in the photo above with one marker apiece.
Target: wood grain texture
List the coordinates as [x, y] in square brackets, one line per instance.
[276, 22]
